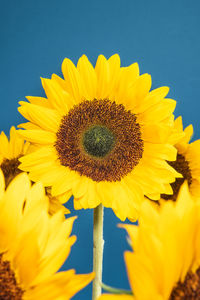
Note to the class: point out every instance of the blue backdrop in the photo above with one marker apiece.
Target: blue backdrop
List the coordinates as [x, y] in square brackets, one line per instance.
[162, 36]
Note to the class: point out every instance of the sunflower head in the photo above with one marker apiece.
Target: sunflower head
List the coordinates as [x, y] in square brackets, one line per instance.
[33, 245]
[10, 152]
[166, 257]
[166, 250]
[187, 162]
[105, 136]
[101, 135]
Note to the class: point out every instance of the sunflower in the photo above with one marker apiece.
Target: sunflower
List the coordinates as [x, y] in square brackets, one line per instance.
[187, 162]
[165, 264]
[101, 135]
[10, 152]
[33, 245]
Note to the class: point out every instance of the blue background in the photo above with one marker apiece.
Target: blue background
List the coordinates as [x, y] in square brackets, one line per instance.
[162, 36]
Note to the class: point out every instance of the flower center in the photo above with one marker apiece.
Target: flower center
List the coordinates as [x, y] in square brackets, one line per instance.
[100, 139]
[189, 289]
[9, 288]
[181, 166]
[10, 169]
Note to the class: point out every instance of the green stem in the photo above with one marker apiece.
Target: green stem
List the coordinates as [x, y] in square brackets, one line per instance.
[113, 290]
[98, 244]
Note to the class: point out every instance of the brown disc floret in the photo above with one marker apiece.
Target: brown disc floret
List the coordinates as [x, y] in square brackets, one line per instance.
[181, 165]
[99, 139]
[9, 288]
[189, 289]
[10, 169]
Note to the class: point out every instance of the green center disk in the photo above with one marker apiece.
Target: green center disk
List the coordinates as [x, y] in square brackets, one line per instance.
[98, 141]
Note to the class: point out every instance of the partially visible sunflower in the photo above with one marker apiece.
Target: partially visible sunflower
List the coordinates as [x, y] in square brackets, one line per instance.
[10, 152]
[165, 264]
[187, 162]
[33, 245]
[101, 136]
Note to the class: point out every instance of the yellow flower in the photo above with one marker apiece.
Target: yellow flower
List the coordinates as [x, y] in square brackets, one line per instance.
[33, 245]
[10, 152]
[165, 264]
[187, 162]
[101, 136]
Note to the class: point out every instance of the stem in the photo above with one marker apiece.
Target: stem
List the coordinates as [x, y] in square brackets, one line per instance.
[113, 290]
[98, 244]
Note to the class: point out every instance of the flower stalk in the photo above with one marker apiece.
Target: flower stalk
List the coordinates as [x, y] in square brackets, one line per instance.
[98, 245]
[113, 290]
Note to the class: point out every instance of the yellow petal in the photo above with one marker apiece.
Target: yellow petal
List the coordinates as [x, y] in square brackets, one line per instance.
[2, 184]
[47, 173]
[155, 133]
[102, 71]
[28, 126]
[47, 119]
[4, 149]
[64, 183]
[39, 156]
[16, 144]
[158, 112]
[138, 91]
[36, 198]
[38, 136]
[37, 101]
[127, 78]
[59, 98]
[152, 98]
[27, 255]
[73, 80]
[114, 72]
[59, 80]
[62, 286]
[88, 76]
[161, 151]
[119, 198]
